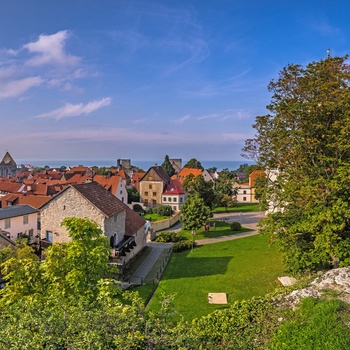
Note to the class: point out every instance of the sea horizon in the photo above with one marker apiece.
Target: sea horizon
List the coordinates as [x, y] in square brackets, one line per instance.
[142, 164]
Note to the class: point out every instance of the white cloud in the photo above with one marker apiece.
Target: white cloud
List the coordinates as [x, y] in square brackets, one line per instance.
[182, 119]
[70, 110]
[17, 87]
[49, 49]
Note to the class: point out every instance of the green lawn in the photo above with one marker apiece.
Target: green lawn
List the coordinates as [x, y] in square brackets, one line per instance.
[221, 229]
[243, 207]
[155, 217]
[242, 268]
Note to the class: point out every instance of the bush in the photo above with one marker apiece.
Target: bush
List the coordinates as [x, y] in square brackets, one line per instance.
[164, 210]
[183, 245]
[235, 226]
[169, 236]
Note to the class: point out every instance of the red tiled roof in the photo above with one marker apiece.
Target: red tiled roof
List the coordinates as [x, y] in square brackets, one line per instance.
[174, 188]
[188, 171]
[109, 183]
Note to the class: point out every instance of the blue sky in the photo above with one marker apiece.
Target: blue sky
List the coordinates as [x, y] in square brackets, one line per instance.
[88, 79]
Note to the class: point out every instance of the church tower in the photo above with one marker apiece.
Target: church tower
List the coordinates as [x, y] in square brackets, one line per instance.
[8, 167]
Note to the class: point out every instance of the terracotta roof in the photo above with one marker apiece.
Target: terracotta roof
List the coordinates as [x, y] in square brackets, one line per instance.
[188, 171]
[34, 201]
[174, 188]
[12, 187]
[102, 199]
[78, 178]
[109, 183]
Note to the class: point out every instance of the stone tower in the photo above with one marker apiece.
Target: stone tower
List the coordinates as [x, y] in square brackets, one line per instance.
[8, 167]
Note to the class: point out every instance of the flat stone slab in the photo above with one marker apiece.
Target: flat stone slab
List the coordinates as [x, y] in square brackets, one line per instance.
[217, 298]
[287, 281]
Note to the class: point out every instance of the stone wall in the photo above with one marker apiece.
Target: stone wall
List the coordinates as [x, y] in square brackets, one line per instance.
[71, 204]
[164, 224]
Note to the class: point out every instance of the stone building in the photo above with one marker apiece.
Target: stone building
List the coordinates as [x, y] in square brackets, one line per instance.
[152, 185]
[8, 167]
[124, 228]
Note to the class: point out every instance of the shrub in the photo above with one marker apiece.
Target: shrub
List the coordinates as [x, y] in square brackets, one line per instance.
[169, 236]
[164, 210]
[235, 226]
[183, 245]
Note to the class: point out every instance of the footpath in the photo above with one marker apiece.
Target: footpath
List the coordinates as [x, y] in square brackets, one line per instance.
[249, 220]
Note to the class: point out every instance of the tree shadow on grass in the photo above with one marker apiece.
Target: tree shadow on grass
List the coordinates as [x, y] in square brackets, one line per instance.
[198, 267]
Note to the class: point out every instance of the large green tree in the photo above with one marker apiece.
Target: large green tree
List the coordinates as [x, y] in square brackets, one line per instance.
[168, 167]
[205, 189]
[304, 142]
[194, 213]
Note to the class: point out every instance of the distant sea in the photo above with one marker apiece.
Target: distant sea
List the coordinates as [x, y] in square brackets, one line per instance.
[143, 164]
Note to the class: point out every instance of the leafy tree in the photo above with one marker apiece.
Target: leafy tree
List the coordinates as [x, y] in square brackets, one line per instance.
[164, 210]
[226, 174]
[133, 195]
[168, 167]
[194, 213]
[212, 169]
[193, 163]
[205, 189]
[304, 140]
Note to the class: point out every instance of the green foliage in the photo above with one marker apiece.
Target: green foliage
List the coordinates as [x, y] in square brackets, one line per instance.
[305, 139]
[197, 185]
[235, 226]
[316, 325]
[133, 195]
[183, 245]
[168, 167]
[193, 163]
[164, 210]
[169, 236]
[194, 213]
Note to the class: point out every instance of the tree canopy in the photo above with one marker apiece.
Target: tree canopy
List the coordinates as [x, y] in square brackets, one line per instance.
[205, 189]
[193, 163]
[194, 213]
[304, 143]
[168, 167]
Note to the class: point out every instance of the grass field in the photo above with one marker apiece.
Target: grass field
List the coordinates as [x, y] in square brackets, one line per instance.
[242, 268]
[155, 217]
[221, 229]
[243, 207]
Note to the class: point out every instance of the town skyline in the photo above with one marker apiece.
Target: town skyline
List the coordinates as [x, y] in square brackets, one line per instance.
[89, 80]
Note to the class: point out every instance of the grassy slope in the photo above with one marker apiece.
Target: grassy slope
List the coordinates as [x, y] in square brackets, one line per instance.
[241, 268]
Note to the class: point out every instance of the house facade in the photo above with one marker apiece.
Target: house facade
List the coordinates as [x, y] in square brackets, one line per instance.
[124, 228]
[174, 195]
[152, 185]
[18, 220]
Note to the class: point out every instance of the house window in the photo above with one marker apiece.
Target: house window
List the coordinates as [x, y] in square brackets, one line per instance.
[150, 186]
[49, 237]
[154, 202]
[174, 207]
[7, 223]
[169, 199]
[19, 235]
[244, 199]
[31, 233]
[174, 199]
[145, 201]
[149, 178]
[121, 192]
[164, 199]
[25, 219]
[123, 199]
[146, 193]
[154, 194]
[244, 192]
[181, 199]
[115, 218]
